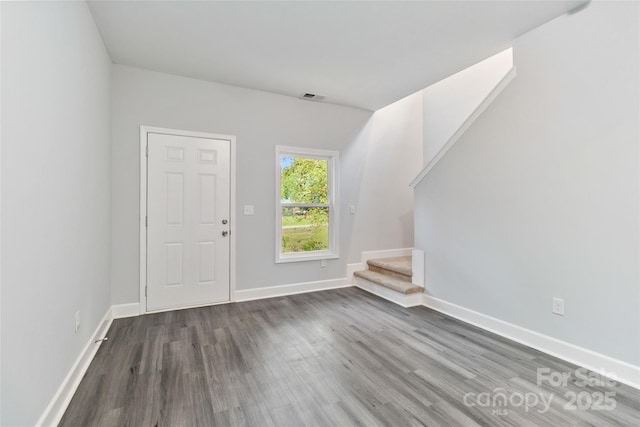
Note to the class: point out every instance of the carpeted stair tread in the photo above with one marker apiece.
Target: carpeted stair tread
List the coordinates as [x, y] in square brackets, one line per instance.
[400, 265]
[389, 282]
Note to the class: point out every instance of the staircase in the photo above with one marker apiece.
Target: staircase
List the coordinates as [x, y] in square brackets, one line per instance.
[390, 278]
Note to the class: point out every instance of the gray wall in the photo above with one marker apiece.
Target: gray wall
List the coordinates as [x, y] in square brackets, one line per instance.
[540, 197]
[378, 167]
[260, 121]
[55, 197]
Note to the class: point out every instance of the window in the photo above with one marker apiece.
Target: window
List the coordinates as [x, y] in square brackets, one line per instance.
[306, 204]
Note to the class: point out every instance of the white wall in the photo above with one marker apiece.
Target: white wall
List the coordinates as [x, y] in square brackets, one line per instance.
[55, 197]
[540, 198]
[260, 121]
[450, 102]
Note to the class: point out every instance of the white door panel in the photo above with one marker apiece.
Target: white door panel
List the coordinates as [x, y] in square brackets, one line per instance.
[188, 201]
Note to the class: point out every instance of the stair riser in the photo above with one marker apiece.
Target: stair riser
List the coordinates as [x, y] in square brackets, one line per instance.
[400, 265]
[392, 283]
[386, 272]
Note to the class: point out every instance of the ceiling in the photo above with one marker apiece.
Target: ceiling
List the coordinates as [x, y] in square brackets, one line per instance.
[361, 54]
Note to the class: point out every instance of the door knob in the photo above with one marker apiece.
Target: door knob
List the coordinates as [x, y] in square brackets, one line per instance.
[224, 221]
[224, 233]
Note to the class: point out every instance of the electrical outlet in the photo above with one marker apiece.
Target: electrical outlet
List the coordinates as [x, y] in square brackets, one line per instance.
[558, 306]
[248, 209]
[77, 320]
[323, 263]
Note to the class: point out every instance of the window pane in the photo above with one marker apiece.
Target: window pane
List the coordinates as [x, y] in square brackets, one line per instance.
[305, 229]
[303, 180]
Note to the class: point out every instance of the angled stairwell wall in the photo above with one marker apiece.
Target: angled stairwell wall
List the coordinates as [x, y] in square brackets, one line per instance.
[452, 105]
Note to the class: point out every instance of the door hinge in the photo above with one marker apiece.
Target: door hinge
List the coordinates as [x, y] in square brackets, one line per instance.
[145, 291]
[146, 221]
[146, 150]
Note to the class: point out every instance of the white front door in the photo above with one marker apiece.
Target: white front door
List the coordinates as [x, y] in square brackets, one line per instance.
[188, 189]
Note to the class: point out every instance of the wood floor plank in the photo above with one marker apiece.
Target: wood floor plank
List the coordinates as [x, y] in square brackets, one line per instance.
[334, 358]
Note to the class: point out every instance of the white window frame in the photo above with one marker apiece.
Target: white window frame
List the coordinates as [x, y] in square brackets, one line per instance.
[333, 162]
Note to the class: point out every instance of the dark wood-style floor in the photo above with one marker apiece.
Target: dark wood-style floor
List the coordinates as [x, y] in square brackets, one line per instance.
[333, 358]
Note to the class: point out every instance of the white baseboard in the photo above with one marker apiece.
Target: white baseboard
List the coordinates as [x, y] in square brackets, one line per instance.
[405, 300]
[297, 288]
[352, 268]
[120, 311]
[618, 370]
[58, 404]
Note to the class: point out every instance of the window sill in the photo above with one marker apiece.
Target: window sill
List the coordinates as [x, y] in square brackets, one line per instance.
[301, 257]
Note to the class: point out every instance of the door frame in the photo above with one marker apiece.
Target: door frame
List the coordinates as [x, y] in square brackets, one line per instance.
[144, 131]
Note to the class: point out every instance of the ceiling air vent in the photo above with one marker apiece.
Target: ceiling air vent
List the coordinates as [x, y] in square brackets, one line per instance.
[312, 97]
